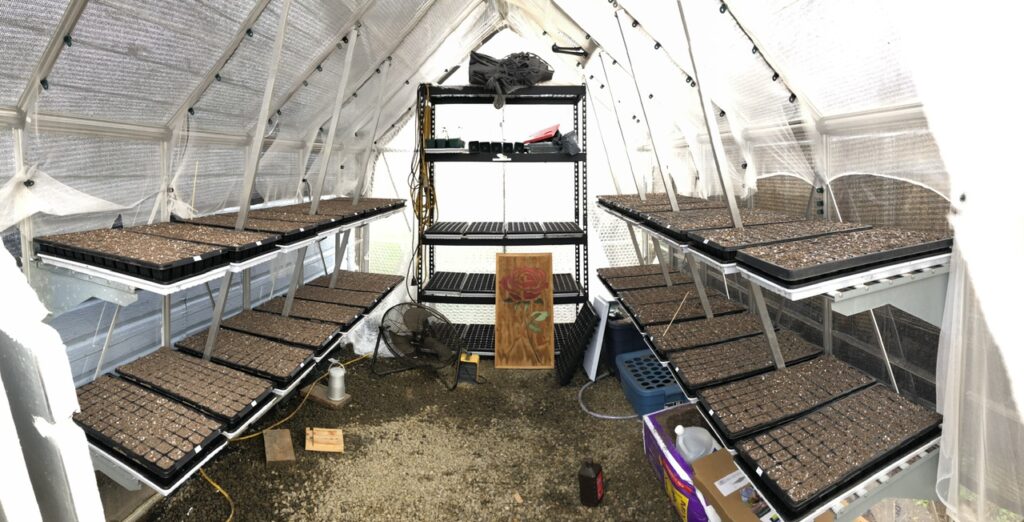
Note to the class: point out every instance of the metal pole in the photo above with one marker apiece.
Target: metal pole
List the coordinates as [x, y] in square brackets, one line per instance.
[106, 344]
[209, 293]
[717, 148]
[367, 166]
[766, 323]
[325, 153]
[247, 289]
[339, 254]
[826, 326]
[165, 321]
[25, 228]
[885, 353]
[261, 122]
[670, 188]
[300, 260]
[691, 262]
[323, 259]
[618, 119]
[218, 314]
[662, 262]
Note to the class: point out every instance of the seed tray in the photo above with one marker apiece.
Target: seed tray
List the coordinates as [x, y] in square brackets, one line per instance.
[360, 281]
[564, 285]
[479, 338]
[312, 335]
[661, 294]
[238, 246]
[447, 282]
[798, 263]
[155, 434]
[662, 313]
[763, 401]
[344, 209]
[807, 460]
[281, 363]
[618, 284]
[342, 316]
[447, 229]
[289, 231]
[735, 360]
[361, 300]
[678, 225]
[152, 258]
[562, 229]
[628, 271]
[723, 243]
[479, 284]
[524, 229]
[704, 332]
[571, 342]
[319, 221]
[221, 392]
[488, 229]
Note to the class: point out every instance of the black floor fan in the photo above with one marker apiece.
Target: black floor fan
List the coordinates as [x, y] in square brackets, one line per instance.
[418, 337]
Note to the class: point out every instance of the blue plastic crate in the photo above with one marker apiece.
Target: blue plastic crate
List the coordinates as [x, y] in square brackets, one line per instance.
[648, 384]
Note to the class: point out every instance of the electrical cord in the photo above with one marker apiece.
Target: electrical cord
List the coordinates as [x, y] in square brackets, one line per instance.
[222, 491]
[304, 398]
[596, 414]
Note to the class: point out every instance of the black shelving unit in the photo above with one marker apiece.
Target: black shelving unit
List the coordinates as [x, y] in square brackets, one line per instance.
[569, 288]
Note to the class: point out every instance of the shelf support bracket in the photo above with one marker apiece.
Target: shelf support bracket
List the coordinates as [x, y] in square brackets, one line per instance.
[826, 325]
[328, 146]
[662, 262]
[766, 323]
[247, 289]
[339, 254]
[372, 144]
[702, 293]
[300, 261]
[622, 134]
[106, 344]
[218, 314]
[885, 353]
[165, 321]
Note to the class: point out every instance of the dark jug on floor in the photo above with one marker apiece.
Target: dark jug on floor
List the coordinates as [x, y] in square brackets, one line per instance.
[591, 483]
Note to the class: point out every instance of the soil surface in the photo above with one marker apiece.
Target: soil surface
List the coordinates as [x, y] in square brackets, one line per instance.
[632, 270]
[298, 217]
[719, 363]
[259, 225]
[141, 247]
[262, 356]
[209, 235]
[360, 281]
[315, 310]
[311, 334]
[338, 296]
[688, 310]
[840, 247]
[683, 222]
[648, 281]
[760, 234]
[702, 332]
[507, 449]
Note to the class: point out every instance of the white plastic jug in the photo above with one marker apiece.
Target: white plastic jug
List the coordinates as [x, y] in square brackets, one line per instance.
[693, 442]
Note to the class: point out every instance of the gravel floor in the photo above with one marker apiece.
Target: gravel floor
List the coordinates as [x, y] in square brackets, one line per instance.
[508, 449]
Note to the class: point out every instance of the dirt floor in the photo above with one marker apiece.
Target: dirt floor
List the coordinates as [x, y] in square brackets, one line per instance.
[507, 449]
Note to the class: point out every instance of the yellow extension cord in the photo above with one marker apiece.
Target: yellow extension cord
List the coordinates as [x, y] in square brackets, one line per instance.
[223, 491]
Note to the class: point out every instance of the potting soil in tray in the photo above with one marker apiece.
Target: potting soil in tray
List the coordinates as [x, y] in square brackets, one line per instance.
[702, 332]
[802, 261]
[679, 224]
[762, 401]
[289, 230]
[723, 243]
[362, 300]
[720, 363]
[276, 361]
[618, 284]
[628, 271]
[344, 207]
[662, 313]
[806, 460]
[273, 214]
[239, 245]
[155, 433]
[149, 257]
[314, 335]
[361, 281]
[661, 294]
[212, 388]
[343, 316]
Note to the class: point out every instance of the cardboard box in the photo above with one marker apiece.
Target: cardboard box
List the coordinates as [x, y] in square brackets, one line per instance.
[669, 466]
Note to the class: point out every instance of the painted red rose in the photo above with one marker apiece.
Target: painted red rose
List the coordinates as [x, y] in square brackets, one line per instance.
[524, 284]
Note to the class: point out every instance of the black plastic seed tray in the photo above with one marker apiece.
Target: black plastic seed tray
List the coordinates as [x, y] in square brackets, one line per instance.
[196, 344]
[654, 314]
[704, 241]
[479, 284]
[280, 337]
[565, 285]
[447, 229]
[575, 338]
[479, 338]
[888, 449]
[290, 232]
[165, 273]
[445, 282]
[108, 397]
[524, 229]
[628, 271]
[795, 278]
[562, 229]
[486, 229]
[618, 284]
[235, 253]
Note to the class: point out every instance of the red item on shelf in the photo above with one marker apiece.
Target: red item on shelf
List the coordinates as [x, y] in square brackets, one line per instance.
[543, 135]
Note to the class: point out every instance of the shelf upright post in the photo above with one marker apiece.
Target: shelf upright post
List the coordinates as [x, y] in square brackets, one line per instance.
[165, 320]
[885, 353]
[339, 254]
[766, 323]
[372, 144]
[289, 300]
[661, 261]
[826, 325]
[218, 314]
[666, 180]
[106, 344]
[247, 289]
[717, 148]
[328, 146]
[261, 121]
[691, 263]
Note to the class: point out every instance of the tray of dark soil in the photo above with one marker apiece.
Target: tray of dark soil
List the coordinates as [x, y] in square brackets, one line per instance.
[361, 300]
[289, 231]
[216, 390]
[479, 284]
[360, 281]
[446, 230]
[319, 221]
[313, 335]
[723, 243]
[760, 402]
[662, 313]
[661, 294]
[281, 363]
[238, 246]
[703, 332]
[152, 258]
[344, 208]
[340, 315]
[806, 461]
[629, 271]
[524, 230]
[678, 225]
[445, 283]
[562, 229]
[802, 262]
[739, 359]
[486, 230]
[154, 433]
[618, 284]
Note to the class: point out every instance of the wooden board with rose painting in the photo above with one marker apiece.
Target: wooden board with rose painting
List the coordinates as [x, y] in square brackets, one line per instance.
[524, 327]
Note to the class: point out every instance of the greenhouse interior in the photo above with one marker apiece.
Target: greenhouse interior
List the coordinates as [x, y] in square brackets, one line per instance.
[278, 260]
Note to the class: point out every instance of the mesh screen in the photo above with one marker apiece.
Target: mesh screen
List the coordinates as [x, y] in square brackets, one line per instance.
[782, 194]
[25, 29]
[210, 176]
[887, 201]
[908, 152]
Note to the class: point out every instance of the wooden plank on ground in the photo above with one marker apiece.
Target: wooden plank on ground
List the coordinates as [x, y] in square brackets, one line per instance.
[278, 446]
[524, 326]
[325, 439]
